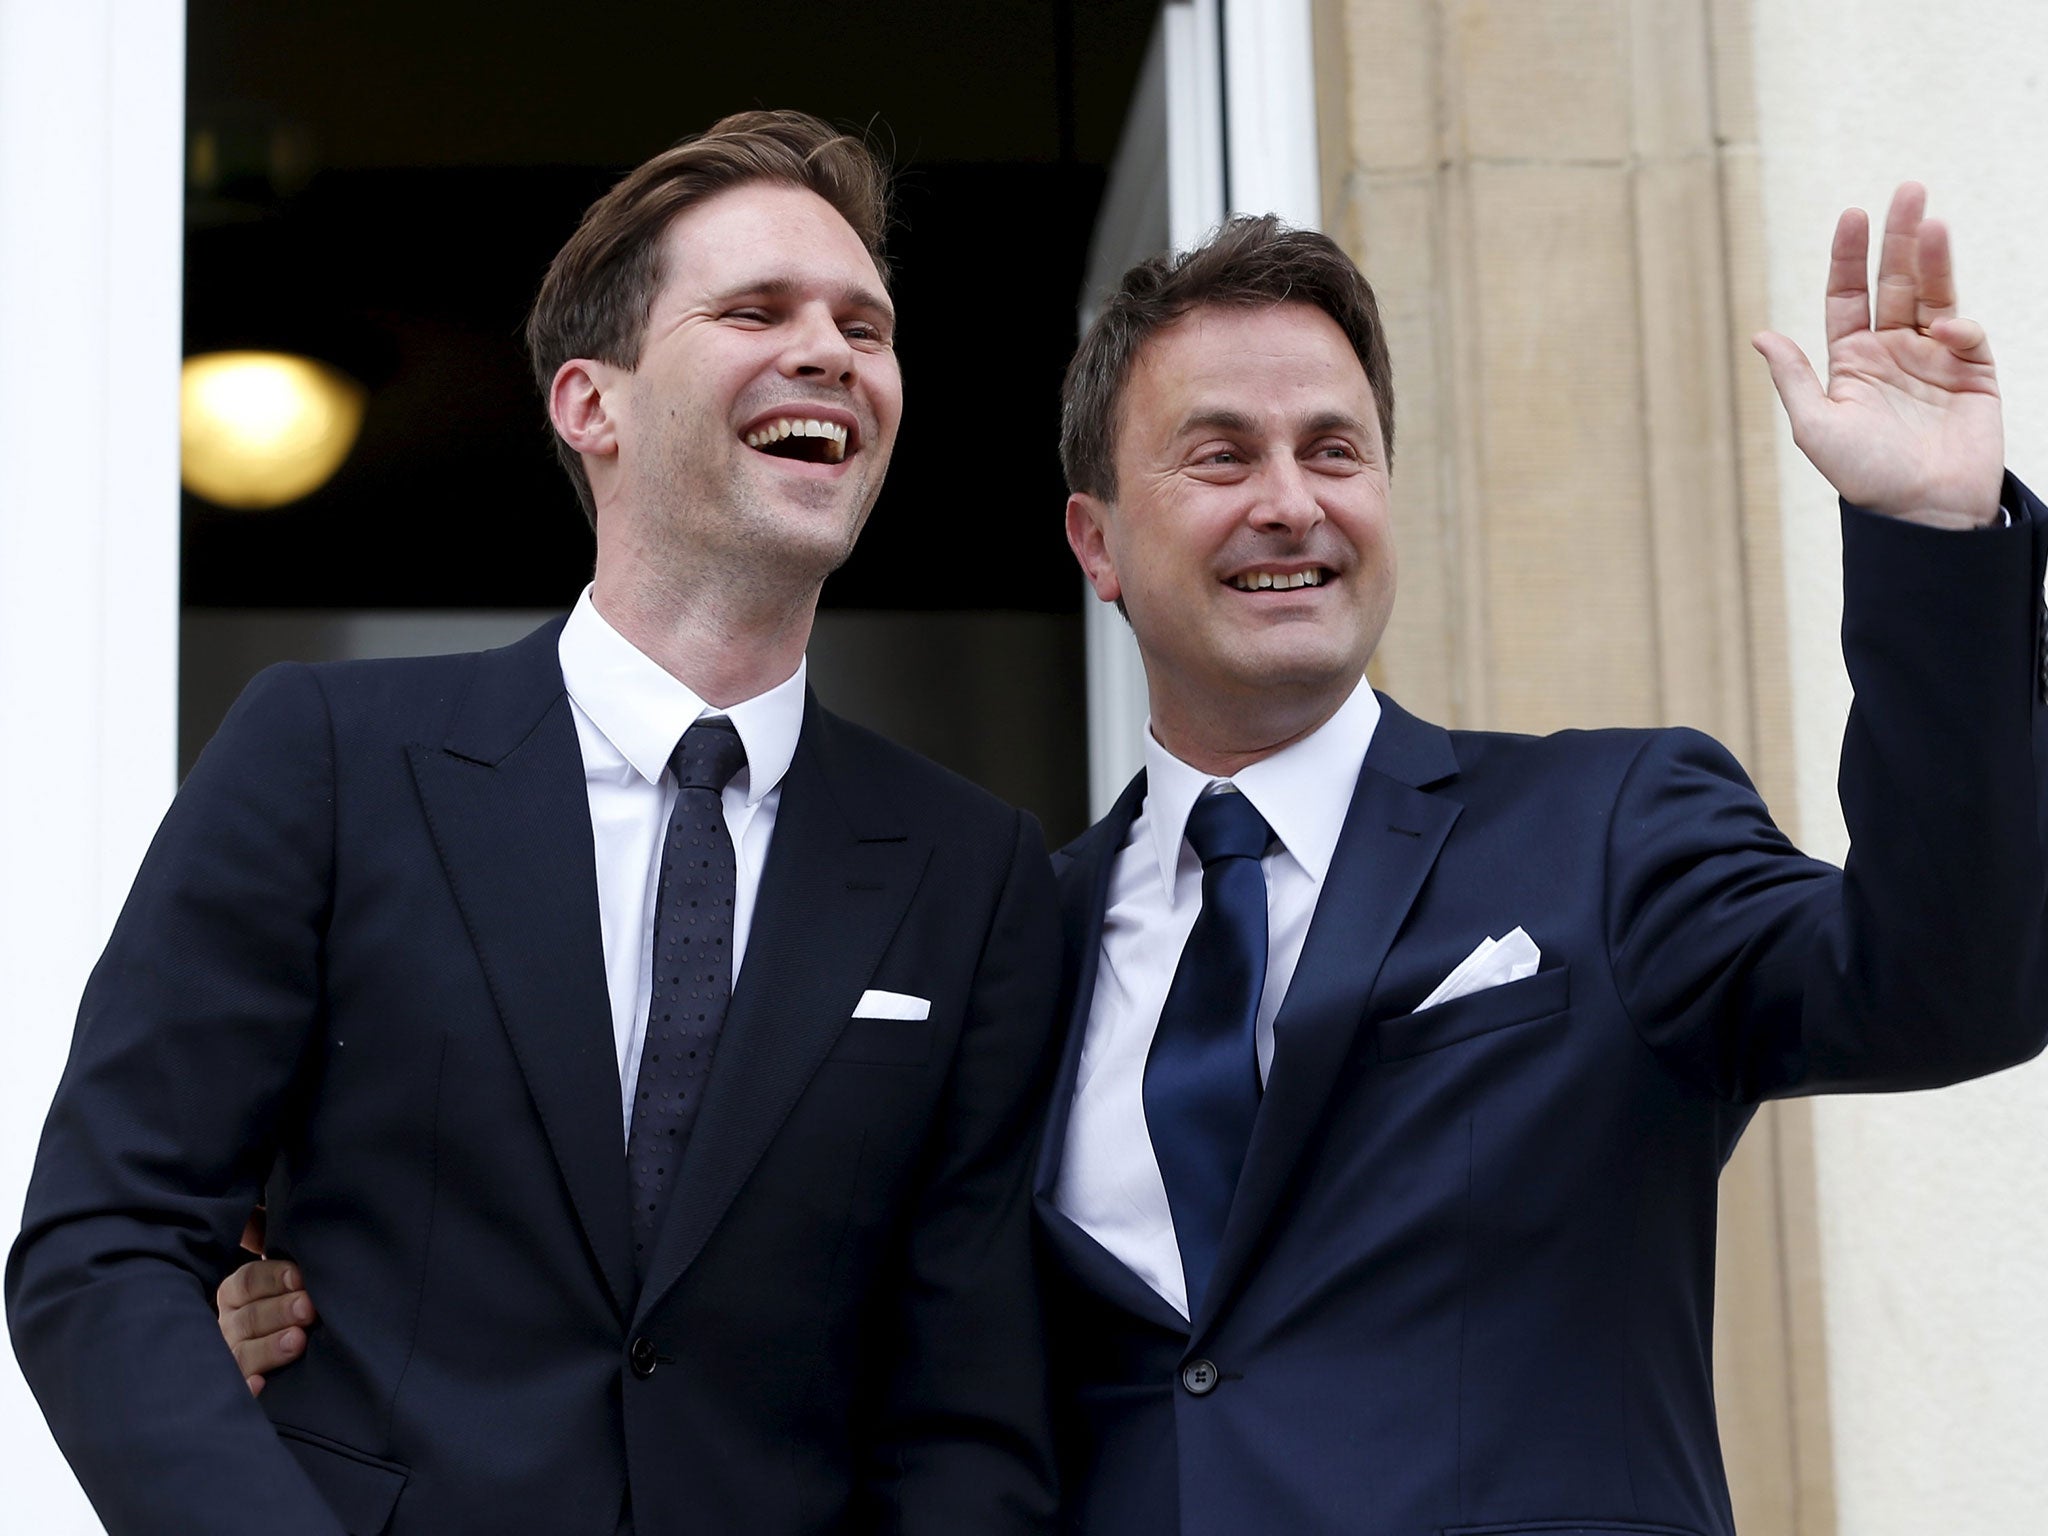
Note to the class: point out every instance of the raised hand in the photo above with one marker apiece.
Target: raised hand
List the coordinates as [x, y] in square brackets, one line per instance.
[1910, 422]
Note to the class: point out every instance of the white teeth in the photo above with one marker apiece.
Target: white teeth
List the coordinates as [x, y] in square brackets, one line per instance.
[1260, 581]
[832, 432]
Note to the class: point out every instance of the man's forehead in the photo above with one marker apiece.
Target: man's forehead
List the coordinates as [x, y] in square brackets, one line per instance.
[1235, 365]
[771, 237]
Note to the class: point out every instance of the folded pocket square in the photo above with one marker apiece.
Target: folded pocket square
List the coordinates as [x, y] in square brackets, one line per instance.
[892, 1005]
[1493, 962]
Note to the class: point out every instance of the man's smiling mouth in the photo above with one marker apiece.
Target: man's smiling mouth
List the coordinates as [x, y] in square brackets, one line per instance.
[1279, 581]
[800, 437]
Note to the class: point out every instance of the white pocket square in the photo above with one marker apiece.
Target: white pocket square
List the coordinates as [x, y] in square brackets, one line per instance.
[892, 1005]
[1493, 962]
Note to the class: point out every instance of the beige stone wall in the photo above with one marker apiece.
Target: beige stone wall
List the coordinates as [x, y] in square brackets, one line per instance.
[1558, 203]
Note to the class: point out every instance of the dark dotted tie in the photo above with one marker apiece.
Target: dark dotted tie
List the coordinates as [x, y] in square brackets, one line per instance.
[1202, 1075]
[692, 971]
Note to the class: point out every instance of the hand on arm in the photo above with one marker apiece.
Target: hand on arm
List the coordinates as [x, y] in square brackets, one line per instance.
[1909, 423]
[264, 1314]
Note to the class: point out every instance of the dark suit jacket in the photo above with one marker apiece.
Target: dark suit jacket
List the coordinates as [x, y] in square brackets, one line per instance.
[362, 960]
[1467, 1280]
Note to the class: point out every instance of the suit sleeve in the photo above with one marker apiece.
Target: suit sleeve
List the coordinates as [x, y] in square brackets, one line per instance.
[189, 1037]
[1759, 972]
[967, 1445]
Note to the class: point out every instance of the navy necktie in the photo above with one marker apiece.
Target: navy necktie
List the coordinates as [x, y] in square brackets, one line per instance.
[693, 911]
[1202, 1076]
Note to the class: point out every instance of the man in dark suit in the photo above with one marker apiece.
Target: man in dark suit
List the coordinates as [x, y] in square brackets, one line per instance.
[1378, 1193]
[644, 1059]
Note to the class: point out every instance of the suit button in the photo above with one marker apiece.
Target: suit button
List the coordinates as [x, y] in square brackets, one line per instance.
[1199, 1377]
[641, 1357]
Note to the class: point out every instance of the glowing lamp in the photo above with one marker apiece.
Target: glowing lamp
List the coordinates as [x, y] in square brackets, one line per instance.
[259, 429]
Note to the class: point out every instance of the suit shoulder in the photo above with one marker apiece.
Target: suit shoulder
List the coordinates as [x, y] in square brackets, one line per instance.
[1596, 764]
[907, 780]
[1617, 745]
[411, 696]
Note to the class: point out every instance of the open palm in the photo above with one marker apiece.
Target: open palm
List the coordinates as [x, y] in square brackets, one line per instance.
[1909, 423]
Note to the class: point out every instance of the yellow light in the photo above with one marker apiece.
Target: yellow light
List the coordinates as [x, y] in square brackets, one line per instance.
[259, 429]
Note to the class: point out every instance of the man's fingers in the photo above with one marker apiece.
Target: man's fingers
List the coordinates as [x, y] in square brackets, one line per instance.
[271, 1352]
[254, 1281]
[1793, 375]
[274, 1314]
[1898, 260]
[255, 1386]
[1848, 306]
[1937, 275]
[252, 1232]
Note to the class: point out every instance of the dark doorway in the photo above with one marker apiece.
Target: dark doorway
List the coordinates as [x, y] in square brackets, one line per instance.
[382, 184]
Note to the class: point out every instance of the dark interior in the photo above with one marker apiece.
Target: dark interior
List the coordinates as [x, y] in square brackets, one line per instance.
[381, 185]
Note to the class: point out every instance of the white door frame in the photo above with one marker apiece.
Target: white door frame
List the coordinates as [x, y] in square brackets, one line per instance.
[92, 136]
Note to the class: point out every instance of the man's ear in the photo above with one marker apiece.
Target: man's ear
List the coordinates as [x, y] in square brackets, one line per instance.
[576, 405]
[1086, 518]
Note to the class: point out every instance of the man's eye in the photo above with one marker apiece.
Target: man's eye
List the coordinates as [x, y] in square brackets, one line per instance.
[1335, 451]
[1222, 456]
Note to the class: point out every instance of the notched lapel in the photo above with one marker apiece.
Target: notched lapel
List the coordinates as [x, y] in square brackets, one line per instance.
[840, 874]
[1392, 835]
[506, 805]
[1082, 870]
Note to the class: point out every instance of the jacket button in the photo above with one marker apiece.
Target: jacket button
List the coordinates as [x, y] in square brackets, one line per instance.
[1199, 1377]
[641, 1357]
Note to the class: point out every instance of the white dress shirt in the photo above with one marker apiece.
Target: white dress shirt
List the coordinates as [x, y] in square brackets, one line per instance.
[629, 716]
[1109, 1182]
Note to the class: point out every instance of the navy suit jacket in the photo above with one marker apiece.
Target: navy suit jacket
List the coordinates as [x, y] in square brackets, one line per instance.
[362, 963]
[1466, 1284]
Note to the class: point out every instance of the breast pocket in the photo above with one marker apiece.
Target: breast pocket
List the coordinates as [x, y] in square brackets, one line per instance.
[885, 1042]
[1485, 1012]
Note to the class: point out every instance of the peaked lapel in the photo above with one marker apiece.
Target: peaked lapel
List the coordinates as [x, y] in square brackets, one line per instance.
[1390, 841]
[505, 802]
[841, 870]
[1083, 870]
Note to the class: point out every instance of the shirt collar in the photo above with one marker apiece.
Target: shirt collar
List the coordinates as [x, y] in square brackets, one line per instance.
[1303, 790]
[643, 710]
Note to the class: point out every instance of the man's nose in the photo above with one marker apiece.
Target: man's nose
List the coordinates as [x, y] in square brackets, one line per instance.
[1287, 499]
[817, 348]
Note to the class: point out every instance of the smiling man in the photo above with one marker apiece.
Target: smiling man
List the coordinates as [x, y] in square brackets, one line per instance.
[643, 1059]
[1378, 1191]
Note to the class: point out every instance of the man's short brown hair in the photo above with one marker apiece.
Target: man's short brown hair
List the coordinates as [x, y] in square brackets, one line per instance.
[1249, 262]
[600, 288]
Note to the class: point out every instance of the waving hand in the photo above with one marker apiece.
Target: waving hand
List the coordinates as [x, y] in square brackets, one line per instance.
[1909, 423]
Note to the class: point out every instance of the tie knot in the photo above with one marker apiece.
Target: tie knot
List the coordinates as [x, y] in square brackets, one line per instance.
[709, 754]
[1227, 826]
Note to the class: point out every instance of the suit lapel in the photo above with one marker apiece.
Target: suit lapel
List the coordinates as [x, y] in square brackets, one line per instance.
[841, 870]
[1390, 841]
[505, 801]
[1083, 870]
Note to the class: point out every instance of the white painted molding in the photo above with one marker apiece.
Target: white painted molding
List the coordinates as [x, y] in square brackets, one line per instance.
[1269, 109]
[1191, 31]
[92, 131]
